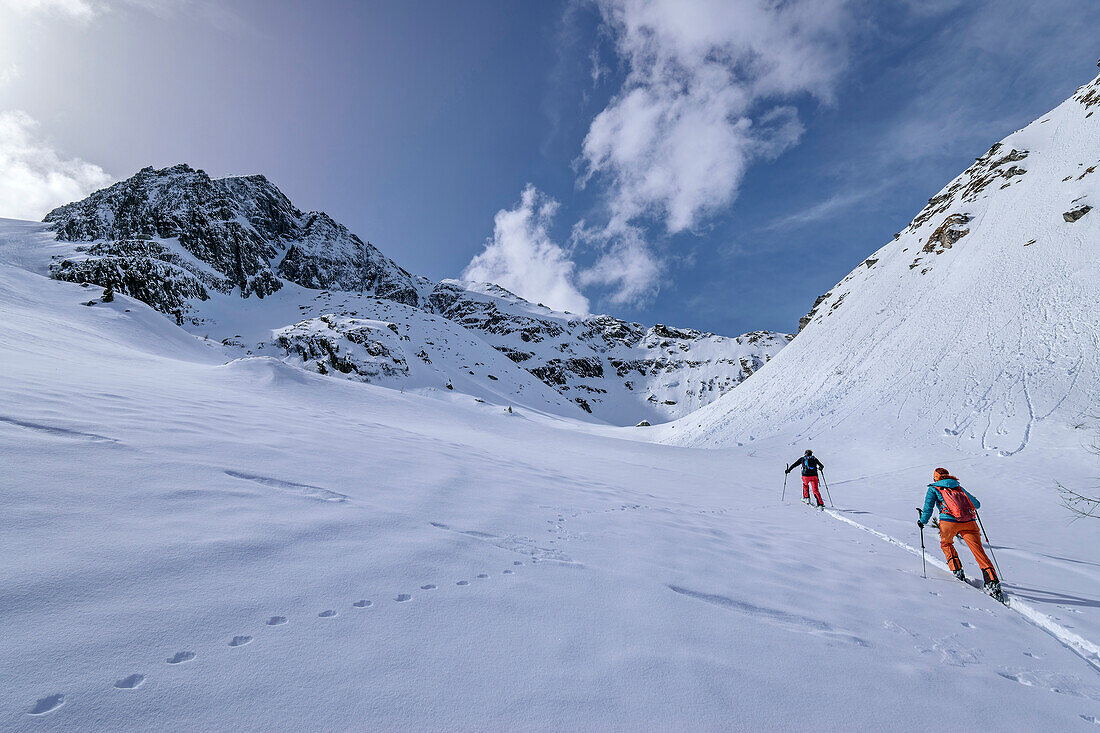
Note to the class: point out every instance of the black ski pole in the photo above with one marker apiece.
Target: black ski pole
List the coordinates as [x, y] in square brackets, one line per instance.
[923, 562]
[784, 496]
[827, 489]
[989, 544]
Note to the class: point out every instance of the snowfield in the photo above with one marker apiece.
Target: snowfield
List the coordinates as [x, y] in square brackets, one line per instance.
[195, 541]
[195, 535]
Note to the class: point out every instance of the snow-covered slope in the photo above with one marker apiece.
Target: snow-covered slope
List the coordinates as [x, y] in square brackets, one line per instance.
[190, 541]
[198, 249]
[978, 326]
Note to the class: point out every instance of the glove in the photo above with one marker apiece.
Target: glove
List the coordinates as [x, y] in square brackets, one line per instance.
[787, 471]
[920, 524]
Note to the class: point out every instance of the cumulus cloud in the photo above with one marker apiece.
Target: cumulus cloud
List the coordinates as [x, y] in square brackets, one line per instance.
[34, 178]
[522, 257]
[706, 93]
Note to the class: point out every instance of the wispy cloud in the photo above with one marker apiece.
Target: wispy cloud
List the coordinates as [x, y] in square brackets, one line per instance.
[702, 99]
[522, 257]
[8, 74]
[824, 210]
[34, 177]
[81, 10]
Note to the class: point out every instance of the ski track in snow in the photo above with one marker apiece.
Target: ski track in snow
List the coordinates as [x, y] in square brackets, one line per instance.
[1080, 646]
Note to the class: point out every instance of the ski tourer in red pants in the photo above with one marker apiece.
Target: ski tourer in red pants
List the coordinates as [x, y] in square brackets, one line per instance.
[810, 466]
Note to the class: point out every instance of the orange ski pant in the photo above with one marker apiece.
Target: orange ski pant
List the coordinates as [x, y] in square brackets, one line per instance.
[973, 538]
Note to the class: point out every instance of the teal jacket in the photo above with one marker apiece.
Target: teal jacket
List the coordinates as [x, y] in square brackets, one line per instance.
[933, 499]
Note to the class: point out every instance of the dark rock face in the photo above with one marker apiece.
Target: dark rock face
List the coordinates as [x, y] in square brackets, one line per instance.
[244, 228]
[975, 179]
[1075, 214]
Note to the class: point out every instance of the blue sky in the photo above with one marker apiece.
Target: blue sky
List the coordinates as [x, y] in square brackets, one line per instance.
[714, 164]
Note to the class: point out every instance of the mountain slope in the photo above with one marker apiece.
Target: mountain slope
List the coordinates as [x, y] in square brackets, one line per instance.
[192, 541]
[198, 249]
[977, 326]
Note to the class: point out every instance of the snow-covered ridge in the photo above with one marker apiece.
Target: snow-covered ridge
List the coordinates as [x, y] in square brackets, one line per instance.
[977, 323]
[198, 249]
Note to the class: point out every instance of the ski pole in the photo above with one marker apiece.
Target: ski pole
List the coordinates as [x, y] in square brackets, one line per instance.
[827, 489]
[989, 544]
[923, 562]
[784, 496]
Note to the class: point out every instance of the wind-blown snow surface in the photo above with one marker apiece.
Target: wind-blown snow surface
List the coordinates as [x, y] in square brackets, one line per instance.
[194, 541]
[977, 328]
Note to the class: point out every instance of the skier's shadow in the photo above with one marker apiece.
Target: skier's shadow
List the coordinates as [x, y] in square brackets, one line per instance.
[1046, 596]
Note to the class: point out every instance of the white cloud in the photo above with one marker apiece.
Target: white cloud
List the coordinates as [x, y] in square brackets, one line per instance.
[33, 177]
[9, 74]
[626, 265]
[77, 9]
[703, 98]
[523, 258]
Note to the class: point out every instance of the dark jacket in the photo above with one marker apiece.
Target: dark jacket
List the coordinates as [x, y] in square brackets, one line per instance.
[809, 464]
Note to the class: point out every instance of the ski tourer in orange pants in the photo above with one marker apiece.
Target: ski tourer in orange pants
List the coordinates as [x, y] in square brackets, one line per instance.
[958, 512]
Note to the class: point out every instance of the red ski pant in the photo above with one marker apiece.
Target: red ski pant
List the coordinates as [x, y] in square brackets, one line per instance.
[973, 538]
[809, 482]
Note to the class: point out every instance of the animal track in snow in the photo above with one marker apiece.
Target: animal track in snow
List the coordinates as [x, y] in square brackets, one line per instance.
[507, 572]
[47, 704]
[968, 625]
[130, 683]
[402, 597]
[363, 604]
[276, 621]
[1056, 682]
[483, 575]
[328, 613]
[312, 492]
[240, 640]
[181, 657]
[428, 586]
[463, 582]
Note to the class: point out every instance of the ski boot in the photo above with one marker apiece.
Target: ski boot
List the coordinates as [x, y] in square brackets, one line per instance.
[805, 500]
[993, 587]
[960, 574]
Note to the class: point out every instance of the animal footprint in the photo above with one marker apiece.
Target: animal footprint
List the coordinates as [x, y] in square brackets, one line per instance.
[429, 586]
[517, 562]
[363, 604]
[402, 597]
[129, 683]
[933, 593]
[328, 614]
[1033, 656]
[463, 582]
[181, 657]
[508, 572]
[276, 621]
[483, 575]
[240, 640]
[47, 704]
[968, 625]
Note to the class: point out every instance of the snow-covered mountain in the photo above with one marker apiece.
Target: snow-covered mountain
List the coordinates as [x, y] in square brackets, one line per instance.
[978, 323]
[232, 258]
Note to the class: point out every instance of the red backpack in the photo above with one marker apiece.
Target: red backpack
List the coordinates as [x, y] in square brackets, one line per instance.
[957, 504]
